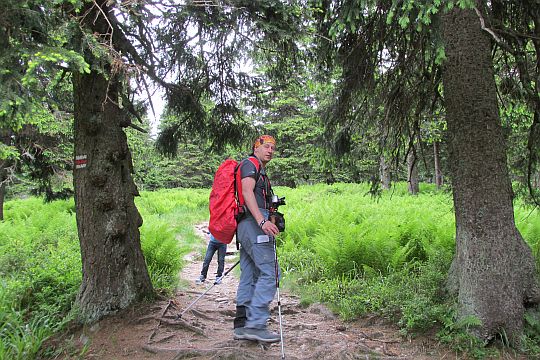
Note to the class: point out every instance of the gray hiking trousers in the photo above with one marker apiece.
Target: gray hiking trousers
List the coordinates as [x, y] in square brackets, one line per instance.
[257, 286]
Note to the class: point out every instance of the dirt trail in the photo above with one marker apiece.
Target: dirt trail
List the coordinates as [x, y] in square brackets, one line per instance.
[153, 331]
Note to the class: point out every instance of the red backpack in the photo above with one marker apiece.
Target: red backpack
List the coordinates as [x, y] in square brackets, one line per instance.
[226, 199]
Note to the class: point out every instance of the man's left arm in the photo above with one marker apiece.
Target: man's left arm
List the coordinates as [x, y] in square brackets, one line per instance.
[248, 185]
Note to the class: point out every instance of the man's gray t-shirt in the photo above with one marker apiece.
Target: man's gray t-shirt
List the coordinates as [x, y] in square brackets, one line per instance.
[248, 169]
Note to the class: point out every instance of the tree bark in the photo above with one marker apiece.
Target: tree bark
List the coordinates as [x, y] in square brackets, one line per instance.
[493, 270]
[114, 273]
[114, 270]
[384, 173]
[412, 173]
[437, 161]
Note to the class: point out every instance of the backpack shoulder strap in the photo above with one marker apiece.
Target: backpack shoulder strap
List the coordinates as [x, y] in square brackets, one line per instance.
[257, 164]
[238, 179]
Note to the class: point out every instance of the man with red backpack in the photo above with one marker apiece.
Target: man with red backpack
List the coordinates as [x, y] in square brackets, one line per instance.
[256, 234]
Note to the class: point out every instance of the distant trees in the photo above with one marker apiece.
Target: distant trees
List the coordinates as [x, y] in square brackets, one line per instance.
[293, 116]
[412, 171]
[388, 71]
[514, 28]
[34, 111]
[192, 167]
[5, 164]
[224, 73]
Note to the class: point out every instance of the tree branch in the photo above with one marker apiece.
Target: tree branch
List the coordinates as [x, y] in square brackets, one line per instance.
[499, 41]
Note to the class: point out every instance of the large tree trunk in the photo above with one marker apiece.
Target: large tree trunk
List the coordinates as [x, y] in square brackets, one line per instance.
[493, 270]
[437, 161]
[114, 270]
[412, 173]
[113, 267]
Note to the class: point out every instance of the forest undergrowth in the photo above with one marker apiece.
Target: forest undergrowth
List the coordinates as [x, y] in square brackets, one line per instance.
[360, 255]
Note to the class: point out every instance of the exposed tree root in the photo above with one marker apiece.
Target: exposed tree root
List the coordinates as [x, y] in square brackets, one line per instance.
[163, 339]
[202, 315]
[157, 350]
[182, 324]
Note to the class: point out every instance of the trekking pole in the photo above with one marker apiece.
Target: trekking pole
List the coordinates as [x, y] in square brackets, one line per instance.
[278, 299]
[217, 281]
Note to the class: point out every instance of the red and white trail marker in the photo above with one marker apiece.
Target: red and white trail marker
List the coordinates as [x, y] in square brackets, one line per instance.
[80, 161]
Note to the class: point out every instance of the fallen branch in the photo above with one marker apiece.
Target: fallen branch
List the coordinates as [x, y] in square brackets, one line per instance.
[167, 308]
[192, 292]
[169, 304]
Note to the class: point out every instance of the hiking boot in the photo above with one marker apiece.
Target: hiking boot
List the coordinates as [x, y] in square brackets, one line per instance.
[200, 280]
[218, 280]
[261, 335]
[238, 333]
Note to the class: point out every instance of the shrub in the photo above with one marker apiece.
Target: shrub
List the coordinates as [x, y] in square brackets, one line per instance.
[40, 263]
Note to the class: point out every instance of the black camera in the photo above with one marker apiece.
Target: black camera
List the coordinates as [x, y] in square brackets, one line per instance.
[276, 202]
[277, 217]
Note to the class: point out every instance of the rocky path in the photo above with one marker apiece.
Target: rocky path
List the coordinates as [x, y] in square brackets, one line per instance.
[166, 330]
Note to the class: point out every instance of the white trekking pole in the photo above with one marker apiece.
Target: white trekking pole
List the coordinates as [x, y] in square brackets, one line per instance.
[218, 280]
[278, 299]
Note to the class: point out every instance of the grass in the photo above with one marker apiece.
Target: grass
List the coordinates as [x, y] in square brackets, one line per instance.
[40, 261]
[360, 255]
[387, 256]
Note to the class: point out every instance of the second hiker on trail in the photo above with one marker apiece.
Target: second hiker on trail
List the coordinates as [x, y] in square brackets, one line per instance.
[213, 246]
[256, 234]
